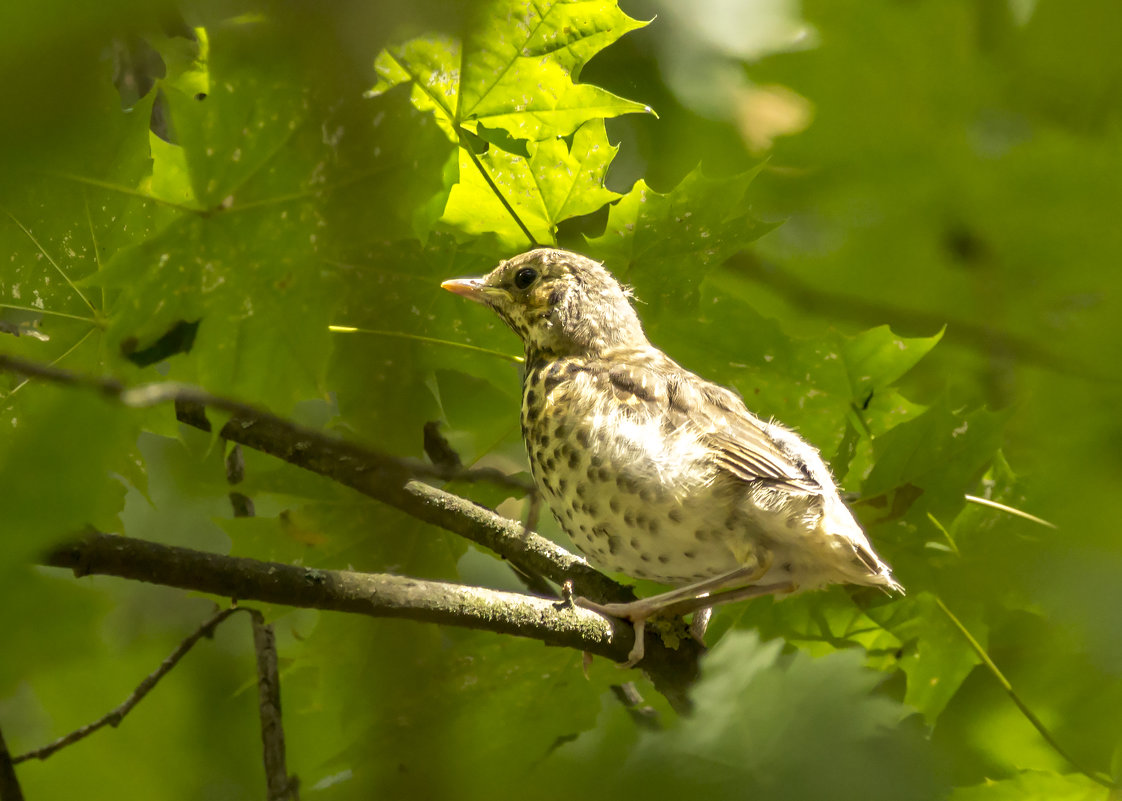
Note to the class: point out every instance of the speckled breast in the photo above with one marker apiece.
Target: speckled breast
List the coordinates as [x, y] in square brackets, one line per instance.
[634, 497]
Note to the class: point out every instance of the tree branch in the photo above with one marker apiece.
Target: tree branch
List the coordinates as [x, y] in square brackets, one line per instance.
[381, 595]
[388, 480]
[377, 475]
[281, 786]
[391, 481]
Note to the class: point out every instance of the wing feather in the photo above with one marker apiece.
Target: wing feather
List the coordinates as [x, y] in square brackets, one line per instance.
[738, 441]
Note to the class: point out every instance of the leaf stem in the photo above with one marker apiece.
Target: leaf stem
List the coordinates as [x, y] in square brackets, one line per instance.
[51, 313]
[125, 190]
[493, 186]
[52, 363]
[93, 241]
[1009, 510]
[453, 118]
[1037, 723]
[349, 329]
[950, 540]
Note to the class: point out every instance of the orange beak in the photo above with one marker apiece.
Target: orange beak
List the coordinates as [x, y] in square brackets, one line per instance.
[470, 288]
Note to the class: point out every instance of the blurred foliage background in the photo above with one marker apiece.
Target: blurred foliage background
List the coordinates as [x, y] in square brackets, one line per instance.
[196, 191]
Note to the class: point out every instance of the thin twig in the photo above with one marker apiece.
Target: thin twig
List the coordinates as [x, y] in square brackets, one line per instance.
[350, 329]
[534, 582]
[489, 475]
[9, 784]
[115, 717]
[390, 481]
[54, 361]
[281, 786]
[644, 715]
[1006, 685]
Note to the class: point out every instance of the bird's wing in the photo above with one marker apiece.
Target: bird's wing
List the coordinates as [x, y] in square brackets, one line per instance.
[748, 455]
[738, 440]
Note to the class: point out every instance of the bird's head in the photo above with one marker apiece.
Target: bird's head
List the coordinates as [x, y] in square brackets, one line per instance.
[560, 303]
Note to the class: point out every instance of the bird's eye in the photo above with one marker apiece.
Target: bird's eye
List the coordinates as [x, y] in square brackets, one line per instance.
[524, 277]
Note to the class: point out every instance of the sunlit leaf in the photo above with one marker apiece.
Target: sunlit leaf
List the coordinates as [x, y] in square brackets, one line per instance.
[940, 452]
[516, 68]
[876, 358]
[1034, 786]
[560, 180]
[936, 658]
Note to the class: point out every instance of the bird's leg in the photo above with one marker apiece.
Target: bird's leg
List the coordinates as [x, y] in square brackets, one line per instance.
[692, 597]
[646, 607]
[638, 624]
[687, 605]
[533, 511]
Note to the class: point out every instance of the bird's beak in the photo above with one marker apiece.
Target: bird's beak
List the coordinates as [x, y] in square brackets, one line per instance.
[470, 288]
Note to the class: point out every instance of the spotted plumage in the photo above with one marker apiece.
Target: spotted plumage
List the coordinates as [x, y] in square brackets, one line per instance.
[650, 469]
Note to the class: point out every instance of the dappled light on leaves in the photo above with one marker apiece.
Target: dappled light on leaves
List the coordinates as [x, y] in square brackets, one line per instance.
[891, 226]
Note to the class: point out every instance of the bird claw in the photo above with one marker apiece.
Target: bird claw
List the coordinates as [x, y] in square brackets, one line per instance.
[638, 650]
[567, 599]
[626, 611]
[639, 612]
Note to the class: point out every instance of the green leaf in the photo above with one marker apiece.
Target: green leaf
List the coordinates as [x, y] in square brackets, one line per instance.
[474, 410]
[941, 453]
[171, 178]
[558, 181]
[750, 735]
[431, 65]
[213, 270]
[876, 358]
[59, 226]
[936, 658]
[665, 243]
[821, 623]
[515, 69]
[58, 457]
[800, 382]
[401, 293]
[961, 169]
[235, 129]
[1034, 785]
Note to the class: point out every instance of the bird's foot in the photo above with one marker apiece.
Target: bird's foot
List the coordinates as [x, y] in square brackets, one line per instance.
[635, 612]
[678, 602]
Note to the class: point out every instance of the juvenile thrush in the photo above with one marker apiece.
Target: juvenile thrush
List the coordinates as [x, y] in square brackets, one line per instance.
[654, 471]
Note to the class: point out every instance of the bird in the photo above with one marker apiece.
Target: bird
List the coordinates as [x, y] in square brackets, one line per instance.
[653, 471]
